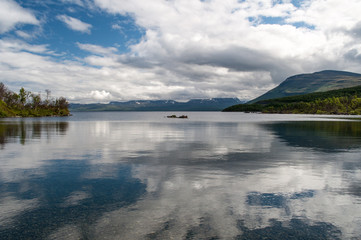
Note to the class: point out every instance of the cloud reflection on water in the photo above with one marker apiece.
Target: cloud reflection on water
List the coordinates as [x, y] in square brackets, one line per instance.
[201, 179]
[201, 186]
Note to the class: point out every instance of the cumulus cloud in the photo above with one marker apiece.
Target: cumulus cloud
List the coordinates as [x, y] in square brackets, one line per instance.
[100, 95]
[328, 15]
[195, 49]
[75, 24]
[12, 14]
[221, 34]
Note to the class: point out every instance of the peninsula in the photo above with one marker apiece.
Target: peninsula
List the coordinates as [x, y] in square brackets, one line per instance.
[27, 104]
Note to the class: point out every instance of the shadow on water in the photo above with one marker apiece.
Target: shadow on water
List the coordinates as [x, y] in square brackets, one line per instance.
[65, 196]
[22, 131]
[319, 135]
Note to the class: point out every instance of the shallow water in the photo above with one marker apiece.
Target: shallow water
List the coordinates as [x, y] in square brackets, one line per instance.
[139, 175]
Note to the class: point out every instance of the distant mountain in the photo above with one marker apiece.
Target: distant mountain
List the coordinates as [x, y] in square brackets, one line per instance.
[212, 104]
[313, 82]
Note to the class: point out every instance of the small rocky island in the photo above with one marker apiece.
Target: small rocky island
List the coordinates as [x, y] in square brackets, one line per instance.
[175, 116]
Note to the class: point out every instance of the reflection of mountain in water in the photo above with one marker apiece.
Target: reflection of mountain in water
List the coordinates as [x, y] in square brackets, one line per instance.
[23, 130]
[321, 135]
[66, 192]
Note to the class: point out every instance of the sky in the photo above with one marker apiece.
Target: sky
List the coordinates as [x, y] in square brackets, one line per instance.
[117, 50]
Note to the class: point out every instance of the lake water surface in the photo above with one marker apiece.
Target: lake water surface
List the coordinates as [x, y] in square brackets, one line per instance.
[139, 175]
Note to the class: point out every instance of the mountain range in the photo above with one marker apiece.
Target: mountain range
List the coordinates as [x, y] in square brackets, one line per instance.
[301, 84]
[212, 104]
[312, 82]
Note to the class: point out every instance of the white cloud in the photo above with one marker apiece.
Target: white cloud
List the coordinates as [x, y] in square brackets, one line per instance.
[194, 49]
[96, 49]
[102, 56]
[329, 15]
[12, 14]
[101, 61]
[220, 34]
[12, 45]
[23, 34]
[75, 24]
[100, 95]
[76, 2]
[117, 27]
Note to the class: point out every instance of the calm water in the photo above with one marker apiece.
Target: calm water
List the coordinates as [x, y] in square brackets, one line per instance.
[212, 176]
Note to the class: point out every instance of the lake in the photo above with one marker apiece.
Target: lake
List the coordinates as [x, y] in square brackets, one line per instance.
[140, 175]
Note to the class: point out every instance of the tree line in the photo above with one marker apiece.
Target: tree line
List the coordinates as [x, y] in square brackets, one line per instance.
[342, 101]
[28, 104]
[332, 105]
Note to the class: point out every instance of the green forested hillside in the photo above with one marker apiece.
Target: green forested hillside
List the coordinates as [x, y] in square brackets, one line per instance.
[27, 104]
[342, 101]
[314, 82]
